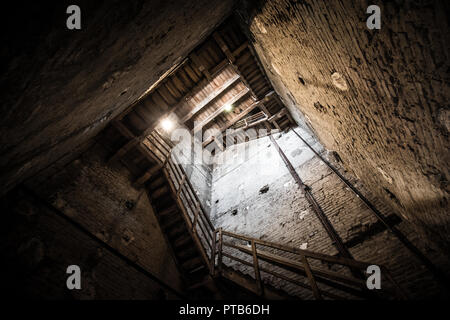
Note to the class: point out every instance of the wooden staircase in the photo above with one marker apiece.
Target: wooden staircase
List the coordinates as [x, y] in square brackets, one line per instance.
[174, 227]
[217, 264]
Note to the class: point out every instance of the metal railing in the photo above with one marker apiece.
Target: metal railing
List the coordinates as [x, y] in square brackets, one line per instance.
[292, 265]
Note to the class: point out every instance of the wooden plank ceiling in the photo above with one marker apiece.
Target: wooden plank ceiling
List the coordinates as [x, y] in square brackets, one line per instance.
[222, 71]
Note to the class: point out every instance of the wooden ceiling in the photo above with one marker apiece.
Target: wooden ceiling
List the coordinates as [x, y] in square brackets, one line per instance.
[222, 71]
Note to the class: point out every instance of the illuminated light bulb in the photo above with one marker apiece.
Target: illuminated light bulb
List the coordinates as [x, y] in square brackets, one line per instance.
[228, 108]
[167, 124]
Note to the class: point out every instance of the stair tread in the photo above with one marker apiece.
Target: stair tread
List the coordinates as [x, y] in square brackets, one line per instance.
[171, 220]
[192, 263]
[160, 192]
[176, 230]
[155, 183]
[185, 255]
[182, 242]
[168, 210]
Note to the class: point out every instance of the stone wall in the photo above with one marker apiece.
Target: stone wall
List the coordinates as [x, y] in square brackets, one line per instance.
[257, 196]
[60, 88]
[38, 245]
[101, 198]
[377, 97]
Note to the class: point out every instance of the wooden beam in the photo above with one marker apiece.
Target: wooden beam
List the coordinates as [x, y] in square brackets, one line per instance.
[147, 175]
[311, 278]
[223, 46]
[240, 116]
[197, 61]
[212, 116]
[232, 59]
[274, 122]
[171, 71]
[152, 88]
[256, 268]
[136, 139]
[210, 98]
[278, 115]
[129, 145]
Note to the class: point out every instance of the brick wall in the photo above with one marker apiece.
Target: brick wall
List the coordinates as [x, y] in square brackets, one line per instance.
[60, 88]
[38, 245]
[282, 214]
[390, 124]
[101, 198]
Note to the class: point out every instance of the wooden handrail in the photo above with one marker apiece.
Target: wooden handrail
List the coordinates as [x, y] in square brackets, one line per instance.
[203, 231]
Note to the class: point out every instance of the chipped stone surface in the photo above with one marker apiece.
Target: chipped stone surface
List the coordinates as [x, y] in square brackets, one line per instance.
[62, 87]
[37, 252]
[390, 124]
[283, 215]
[95, 195]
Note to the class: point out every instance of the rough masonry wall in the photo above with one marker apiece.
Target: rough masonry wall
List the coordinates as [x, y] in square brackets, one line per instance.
[38, 245]
[258, 197]
[377, 97]
[59, 88]
[101, 198]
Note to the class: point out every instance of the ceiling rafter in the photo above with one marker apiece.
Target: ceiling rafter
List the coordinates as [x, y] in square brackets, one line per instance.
[213, 96]
[190, 76]
[223, 46]
[221, 109]
[249, 109]
[133, 142]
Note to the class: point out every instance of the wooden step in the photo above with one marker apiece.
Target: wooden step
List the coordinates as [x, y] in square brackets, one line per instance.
[168, 211]
[176, 231]
[187, 253]
[148, 174]
[171, 220]
[157, 182]
[158, 193]
[204, 280]
[165, 201]
[192, 263]
[182, 242]
[198, 270]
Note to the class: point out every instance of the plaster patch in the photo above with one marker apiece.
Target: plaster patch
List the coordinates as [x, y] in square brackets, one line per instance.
[339, 82]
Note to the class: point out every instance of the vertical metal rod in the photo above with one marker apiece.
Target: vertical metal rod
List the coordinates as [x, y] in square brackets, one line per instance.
[337, 241]
[256, 267]
[400, 236]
